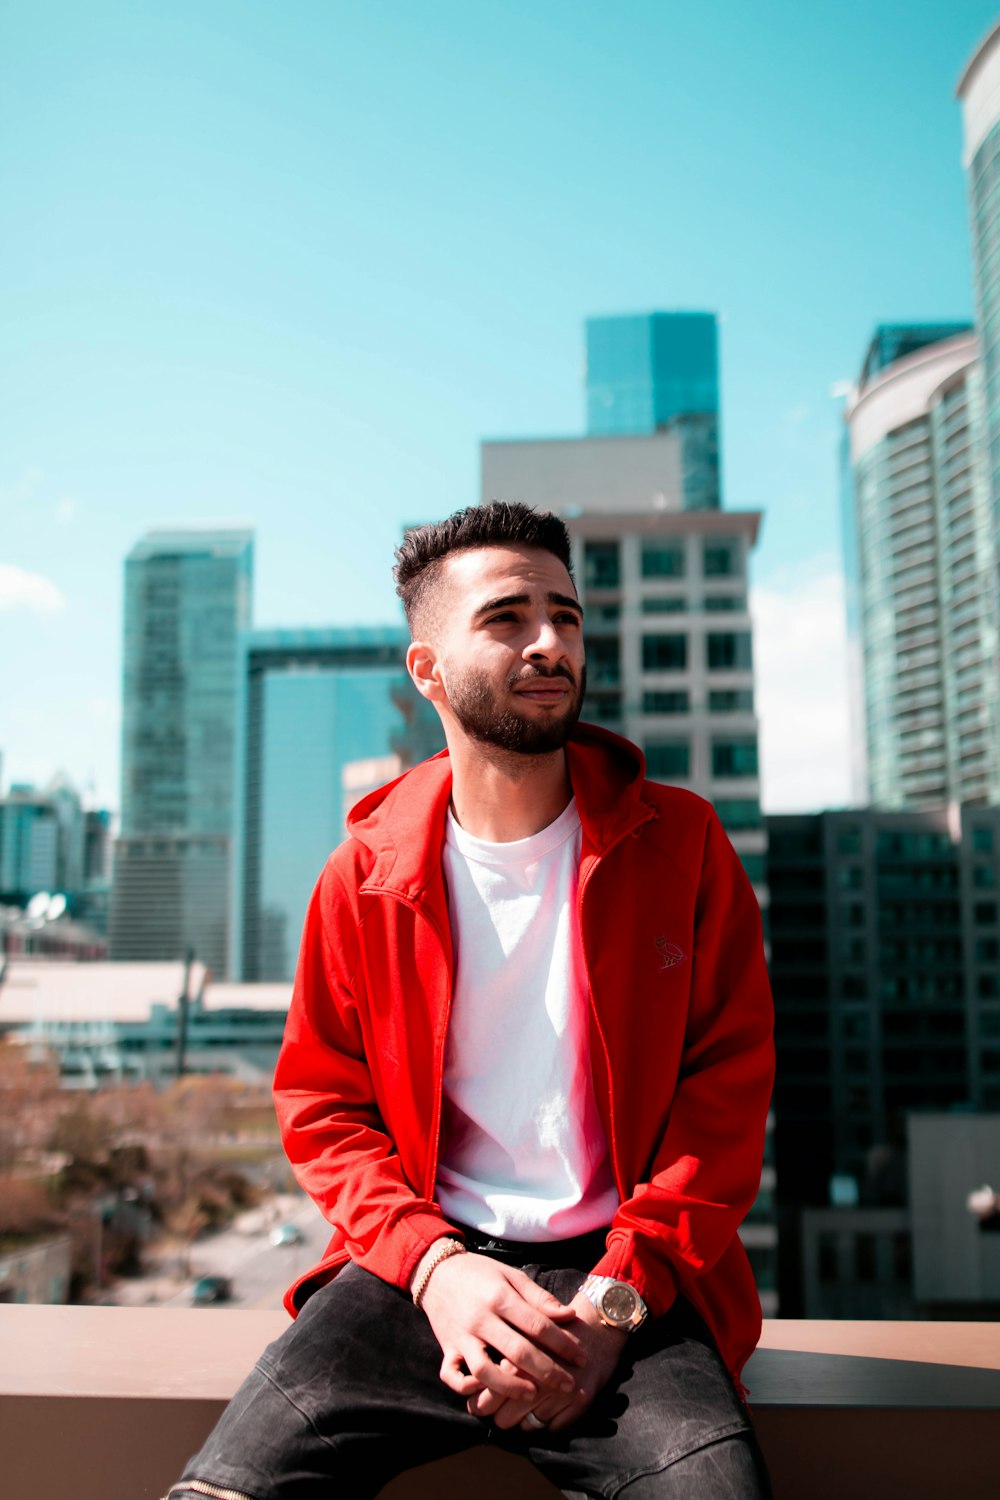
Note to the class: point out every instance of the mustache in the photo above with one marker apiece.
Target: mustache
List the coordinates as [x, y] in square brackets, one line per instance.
[533, 673]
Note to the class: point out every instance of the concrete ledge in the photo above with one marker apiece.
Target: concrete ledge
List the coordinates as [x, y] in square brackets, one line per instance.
[107, 1403]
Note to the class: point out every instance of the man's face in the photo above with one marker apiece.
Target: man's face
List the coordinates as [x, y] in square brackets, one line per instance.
[510, 647]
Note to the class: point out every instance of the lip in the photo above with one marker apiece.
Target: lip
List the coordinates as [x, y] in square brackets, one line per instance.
[548, 692]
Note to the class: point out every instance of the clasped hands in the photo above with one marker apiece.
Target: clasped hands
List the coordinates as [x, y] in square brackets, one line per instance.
[553, 1358]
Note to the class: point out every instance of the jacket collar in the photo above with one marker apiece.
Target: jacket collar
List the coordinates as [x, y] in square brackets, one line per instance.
[403, 823]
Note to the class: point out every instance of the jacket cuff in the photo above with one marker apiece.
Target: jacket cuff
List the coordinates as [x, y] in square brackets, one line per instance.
[626, 1260]
[412, 1237]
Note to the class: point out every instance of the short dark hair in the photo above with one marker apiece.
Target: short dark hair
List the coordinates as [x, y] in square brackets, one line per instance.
[500, 523]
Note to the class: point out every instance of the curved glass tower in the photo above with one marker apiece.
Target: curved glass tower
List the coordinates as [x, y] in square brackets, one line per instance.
[924, 570]
[979, 92]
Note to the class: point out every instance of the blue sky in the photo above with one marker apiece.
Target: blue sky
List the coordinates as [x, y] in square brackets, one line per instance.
[289, 264]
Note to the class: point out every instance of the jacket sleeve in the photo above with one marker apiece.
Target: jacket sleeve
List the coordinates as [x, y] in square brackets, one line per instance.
[705, 1170]
[331, 1126]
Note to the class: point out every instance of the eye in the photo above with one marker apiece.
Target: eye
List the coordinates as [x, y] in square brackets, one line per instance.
[502, 618]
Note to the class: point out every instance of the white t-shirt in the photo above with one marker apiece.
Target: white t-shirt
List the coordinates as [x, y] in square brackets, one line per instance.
[523, 1151]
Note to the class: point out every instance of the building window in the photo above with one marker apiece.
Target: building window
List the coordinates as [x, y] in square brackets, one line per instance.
[724, 603]
[666, 703]
[850, 877]
[729, 649]
[734, 757]
[738, 813]
[731, 701]
[849, 840]
[764, 1260]
[985, 912]
[665, 604]
[902, 1257]
[603, 661]
[984, 877]
[828, 1258]
[605, 709]
[721, 558]
[601, 565]
[664, 653]
[668, 758]
[987, 951]
[982, 838]
[755, 867]
[865, 1259]
[663, 560]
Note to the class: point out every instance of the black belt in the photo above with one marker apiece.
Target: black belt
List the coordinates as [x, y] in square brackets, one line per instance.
[581, 1252]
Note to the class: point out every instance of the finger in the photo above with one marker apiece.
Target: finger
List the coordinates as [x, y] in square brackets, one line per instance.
[485, 1403]
[457, 1378]
[525, 1356]
[512, 1414]
[560, 1312]
[502, 1376]
[534, 1322]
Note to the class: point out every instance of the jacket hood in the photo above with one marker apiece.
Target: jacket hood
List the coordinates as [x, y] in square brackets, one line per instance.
[402, 823]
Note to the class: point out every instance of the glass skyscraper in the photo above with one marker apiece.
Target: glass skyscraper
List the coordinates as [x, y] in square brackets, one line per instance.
[187, 598]
[979, 91]
[922, 570]
[659, 372]
[312, 703]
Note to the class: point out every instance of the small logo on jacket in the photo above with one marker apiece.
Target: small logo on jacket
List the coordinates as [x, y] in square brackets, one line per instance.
[670, 954]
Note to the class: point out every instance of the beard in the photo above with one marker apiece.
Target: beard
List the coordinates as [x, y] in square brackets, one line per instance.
[489, 717]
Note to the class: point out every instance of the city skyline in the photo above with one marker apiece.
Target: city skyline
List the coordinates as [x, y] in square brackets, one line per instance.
[257, 272]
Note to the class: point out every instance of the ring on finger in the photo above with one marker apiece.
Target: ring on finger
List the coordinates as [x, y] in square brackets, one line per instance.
[534, 1421]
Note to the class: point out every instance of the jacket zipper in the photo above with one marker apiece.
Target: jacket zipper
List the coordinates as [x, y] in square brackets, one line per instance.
[202, 1487]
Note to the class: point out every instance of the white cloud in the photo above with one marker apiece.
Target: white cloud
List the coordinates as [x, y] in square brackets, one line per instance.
[800, 645]
[20, 589]
[66, 510]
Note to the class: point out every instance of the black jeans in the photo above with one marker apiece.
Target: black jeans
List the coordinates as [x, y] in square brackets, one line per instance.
[349, 1396]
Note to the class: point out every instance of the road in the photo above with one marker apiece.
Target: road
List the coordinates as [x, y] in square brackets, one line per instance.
[260, 1272]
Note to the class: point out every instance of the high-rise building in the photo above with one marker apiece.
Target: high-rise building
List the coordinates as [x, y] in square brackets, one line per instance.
[29, 845]
[659, 372]
[921, 563]
[187, 597]
[312, 703]
[665, 590]
[979, 92]
[41, 841]
[885, 967]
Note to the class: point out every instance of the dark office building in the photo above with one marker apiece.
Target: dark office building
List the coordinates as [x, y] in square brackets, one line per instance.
[885, 964]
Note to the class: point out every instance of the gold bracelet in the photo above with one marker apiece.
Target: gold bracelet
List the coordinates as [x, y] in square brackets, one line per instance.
[444, 1249]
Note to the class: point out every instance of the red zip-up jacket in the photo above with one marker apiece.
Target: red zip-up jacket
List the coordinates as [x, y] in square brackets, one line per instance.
[680, 1031]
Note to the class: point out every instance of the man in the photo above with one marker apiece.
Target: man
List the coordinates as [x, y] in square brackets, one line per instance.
[525, 1075]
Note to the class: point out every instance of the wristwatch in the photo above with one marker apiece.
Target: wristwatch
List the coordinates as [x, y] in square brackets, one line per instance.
[618, 1304]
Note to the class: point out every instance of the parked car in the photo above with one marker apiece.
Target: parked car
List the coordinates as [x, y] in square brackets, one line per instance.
[209, 1289]
[286, 1234]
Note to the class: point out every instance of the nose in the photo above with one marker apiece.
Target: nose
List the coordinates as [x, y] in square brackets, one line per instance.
[546, 643]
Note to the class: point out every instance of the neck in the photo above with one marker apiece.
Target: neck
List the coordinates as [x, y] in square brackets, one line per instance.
[499, 797]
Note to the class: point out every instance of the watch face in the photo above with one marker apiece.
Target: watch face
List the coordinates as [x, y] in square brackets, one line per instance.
[619, 1303]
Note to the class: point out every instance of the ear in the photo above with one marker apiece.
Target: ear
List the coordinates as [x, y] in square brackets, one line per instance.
[422, 665]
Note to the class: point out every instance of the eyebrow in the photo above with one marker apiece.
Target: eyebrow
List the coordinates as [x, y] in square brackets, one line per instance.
[506, 600]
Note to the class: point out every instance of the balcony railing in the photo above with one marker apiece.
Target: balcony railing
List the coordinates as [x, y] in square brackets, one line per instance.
[107, 1404]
